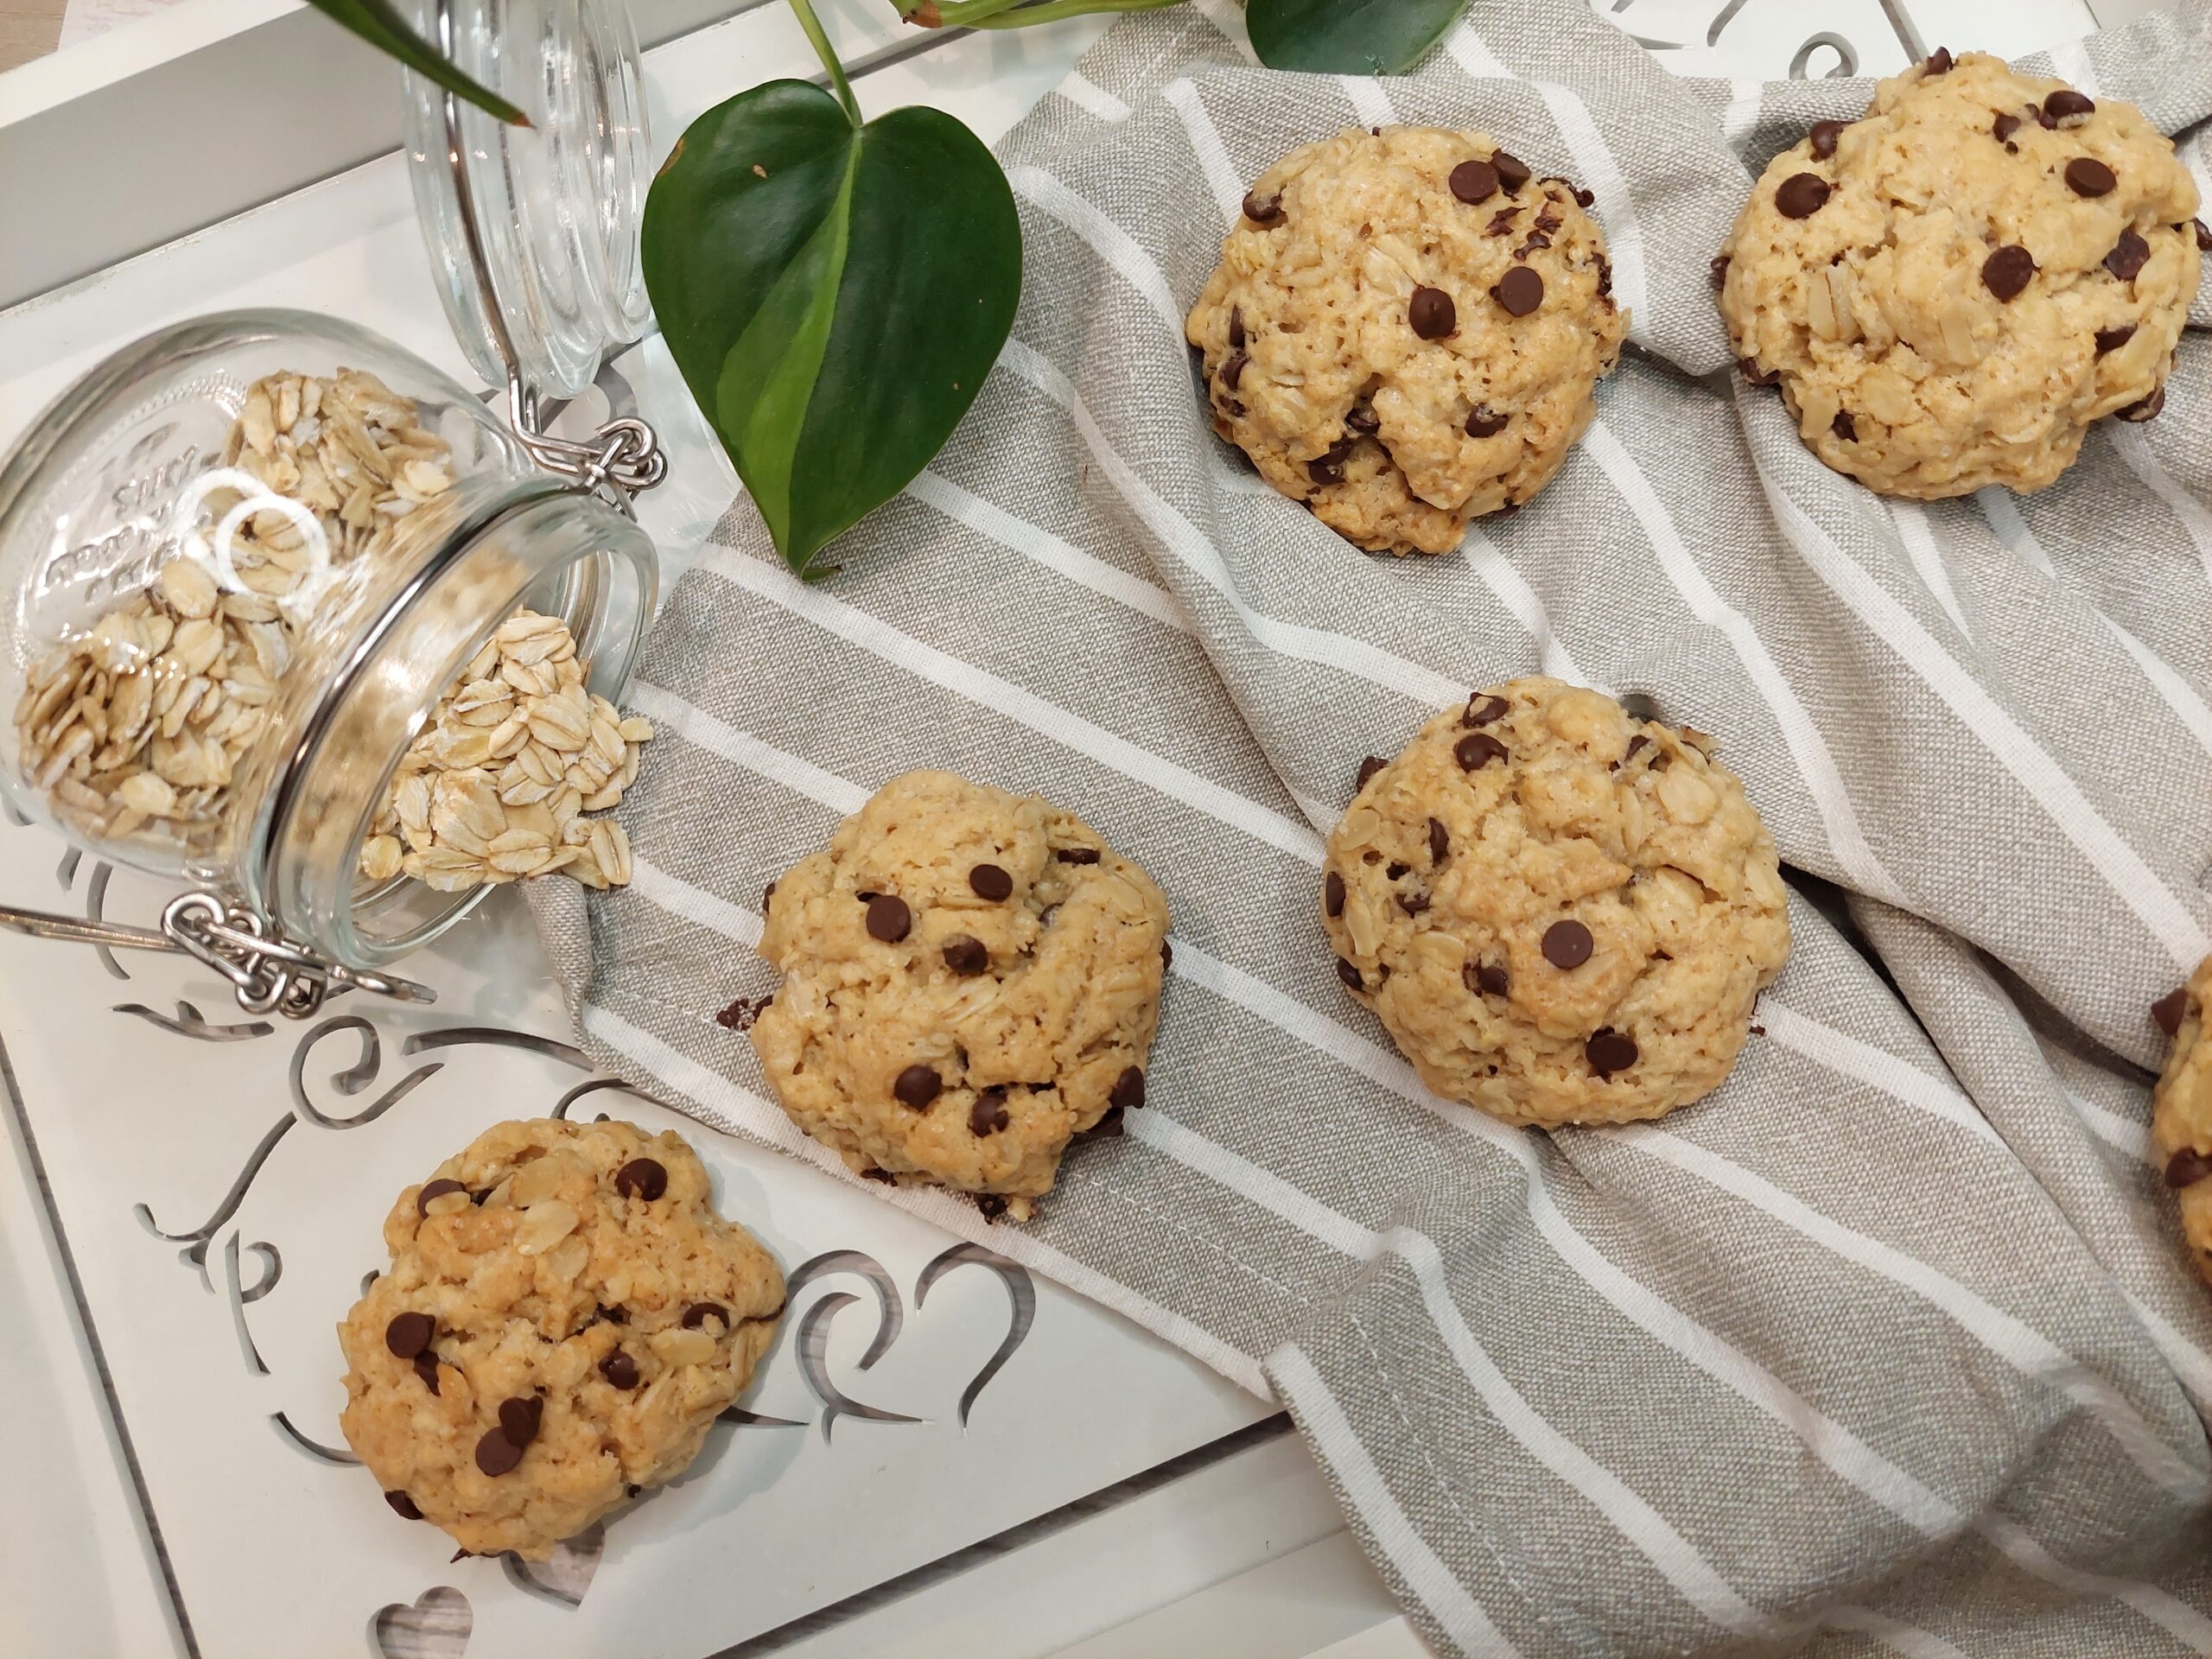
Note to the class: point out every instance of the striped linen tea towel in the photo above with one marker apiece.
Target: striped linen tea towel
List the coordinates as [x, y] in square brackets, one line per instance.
[1891, 1344]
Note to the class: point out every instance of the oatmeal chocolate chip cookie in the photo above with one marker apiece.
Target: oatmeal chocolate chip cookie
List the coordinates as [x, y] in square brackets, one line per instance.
[564, 1316]
[2181, 1112]
[1951, 288]
[971, 979]
[1562, 914]
[1404, 331]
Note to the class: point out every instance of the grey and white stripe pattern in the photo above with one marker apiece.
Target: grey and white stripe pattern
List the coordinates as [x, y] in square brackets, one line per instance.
[1888, 1346]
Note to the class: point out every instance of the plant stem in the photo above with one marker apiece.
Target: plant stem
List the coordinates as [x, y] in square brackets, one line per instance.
[1053, 11]
[819, 39]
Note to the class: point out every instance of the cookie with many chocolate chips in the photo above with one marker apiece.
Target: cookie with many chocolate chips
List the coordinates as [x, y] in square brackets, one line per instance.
[536, 1354]
[1011, 1010]
[1560, 913]
[1409, 336]
[2181, 1113]
[1951, 289]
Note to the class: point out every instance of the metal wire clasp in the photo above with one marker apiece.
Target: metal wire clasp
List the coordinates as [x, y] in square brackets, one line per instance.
[623, 457]
[270, 975]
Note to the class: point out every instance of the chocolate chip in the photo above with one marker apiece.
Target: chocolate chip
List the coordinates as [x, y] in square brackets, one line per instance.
[403, 1506]
[641, 1178]
[2088, 176]
[1823, 136]
[989, 882]
[620, 1370]
[1477, 750]
[436, 1189]
[2148, 410]
[2167, 1011]
[2044, 119]
[740, 1014]
[1537, 238]
[990, 1205]
[1328, 466]
[1397, 869]
[1488, 977]
[1412, 903]
[1567, 944]
[426, 1367]
[1167, 956]
[1501, 221]
[2065, 105]
[408, 1334]
[1802, 194]
[520, 1418]
[988, 1116]
[965, 956]
[1129, 1088]
[1474, 182]
[872, 1174]
[1368, 768]
[1484, 422]
[1939, 62]
[1717, 272]
[1349, 974]
[2187, 1167]
[2004, 127]
[1584, 198]
[496, 1454]
[1512, 171]
[1076, 854]
[2111, 339]
[2005, 272]
[1235, 327]
[1750, 369]
[1639, 742]
[1519, 292]
[2128, 256]
[698, 1313]
[1482, 707]
[1332, 894]
[1108, 1124]
[1439, 842]
[1362, 418]
[1232, 370]
[1844, 426]
[1609, 1051]
[888, 919]
[605, 1315]
[767, 893]
[2203, 235]
[917, 1087]
[1431, 313]
[1263, 212]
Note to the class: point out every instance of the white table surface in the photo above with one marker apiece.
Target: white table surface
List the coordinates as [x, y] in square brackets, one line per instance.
[128, 1404]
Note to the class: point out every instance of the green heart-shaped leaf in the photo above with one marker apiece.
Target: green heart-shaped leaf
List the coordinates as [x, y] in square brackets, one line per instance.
[834, 294]
[1348, 37]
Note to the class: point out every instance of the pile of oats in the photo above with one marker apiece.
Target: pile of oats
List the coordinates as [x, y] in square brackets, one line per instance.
[137, 727]
[495, 787]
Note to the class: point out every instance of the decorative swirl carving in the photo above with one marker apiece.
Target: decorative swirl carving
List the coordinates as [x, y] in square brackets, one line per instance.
[453, 1036]
[354, 1078]
[595, 1086]
[1847, 57]
[189, 1022]
[95, 904]
[1022, 1295]
[195, 1254]
[814, 1366]
[313, 1448]
[893, 1316]
[272, 1268]
[65, 872]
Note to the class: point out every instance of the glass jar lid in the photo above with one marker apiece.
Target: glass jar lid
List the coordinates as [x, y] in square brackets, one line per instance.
[546, 217]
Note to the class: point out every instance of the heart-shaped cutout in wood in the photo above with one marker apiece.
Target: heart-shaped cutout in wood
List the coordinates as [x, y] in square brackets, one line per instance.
[566, 1574]
[435, 1627]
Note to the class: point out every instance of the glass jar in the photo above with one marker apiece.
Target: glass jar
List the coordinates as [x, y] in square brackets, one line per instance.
[243, 562]
[549, 214]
